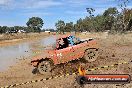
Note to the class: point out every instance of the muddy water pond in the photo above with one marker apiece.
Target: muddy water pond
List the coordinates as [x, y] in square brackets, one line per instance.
[9, 55]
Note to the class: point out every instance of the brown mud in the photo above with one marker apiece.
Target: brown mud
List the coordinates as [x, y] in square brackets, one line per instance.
[110, 52]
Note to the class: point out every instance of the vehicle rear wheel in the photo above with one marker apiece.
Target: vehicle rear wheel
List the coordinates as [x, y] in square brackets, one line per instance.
[44, 67]
[91, 55]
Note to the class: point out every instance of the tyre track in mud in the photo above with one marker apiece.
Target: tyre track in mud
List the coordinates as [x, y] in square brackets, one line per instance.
[88, 70]
[72, 66]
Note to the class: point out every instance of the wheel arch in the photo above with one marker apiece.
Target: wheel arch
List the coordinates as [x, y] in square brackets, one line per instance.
[91, 48]
[45, 59]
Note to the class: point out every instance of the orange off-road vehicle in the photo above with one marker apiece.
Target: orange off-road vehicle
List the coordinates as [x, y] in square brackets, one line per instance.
[67, 48]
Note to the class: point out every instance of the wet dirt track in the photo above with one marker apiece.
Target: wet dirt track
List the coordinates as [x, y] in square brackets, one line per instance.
[108, 55]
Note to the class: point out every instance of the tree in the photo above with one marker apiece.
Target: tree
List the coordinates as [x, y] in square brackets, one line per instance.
[69, 27]
[99, 23]
[79, 25]
[110, 16]
[111, 12]
[128, 19]
[35, 23]
[91, 17]
[4, 29]
[90, 11]
[123, 4]
[0, 30]
[60, 26]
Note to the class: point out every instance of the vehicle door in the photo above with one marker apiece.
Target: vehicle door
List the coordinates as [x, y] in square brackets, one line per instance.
[79, 50]
[64, 54]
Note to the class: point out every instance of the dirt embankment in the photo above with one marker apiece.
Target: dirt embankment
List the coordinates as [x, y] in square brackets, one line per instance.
[8, 39]
[113, 49]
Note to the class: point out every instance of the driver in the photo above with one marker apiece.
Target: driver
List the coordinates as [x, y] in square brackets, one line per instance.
[70, 39]
[60, 43]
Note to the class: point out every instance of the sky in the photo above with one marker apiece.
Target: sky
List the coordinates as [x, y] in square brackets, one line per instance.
[17, 12]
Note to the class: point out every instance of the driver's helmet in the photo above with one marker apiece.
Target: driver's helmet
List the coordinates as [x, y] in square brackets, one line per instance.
[70, 39]
[73, 40]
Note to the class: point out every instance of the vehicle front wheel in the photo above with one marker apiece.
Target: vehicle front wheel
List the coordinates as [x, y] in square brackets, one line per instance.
[44, 67]
[91, 55]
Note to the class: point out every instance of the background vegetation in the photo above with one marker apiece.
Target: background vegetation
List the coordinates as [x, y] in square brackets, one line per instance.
[111, 20]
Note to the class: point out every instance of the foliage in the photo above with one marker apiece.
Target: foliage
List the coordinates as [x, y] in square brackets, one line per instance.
[51, 30]
[69, 26]
[60, 26]
[111, 20]
[35, 24]
[15, 29]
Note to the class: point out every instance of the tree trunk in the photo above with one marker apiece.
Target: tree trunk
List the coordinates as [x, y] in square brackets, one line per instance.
[129, 25]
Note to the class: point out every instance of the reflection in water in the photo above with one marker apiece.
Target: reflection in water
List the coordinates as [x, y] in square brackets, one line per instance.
[48, 41]
[8, 54]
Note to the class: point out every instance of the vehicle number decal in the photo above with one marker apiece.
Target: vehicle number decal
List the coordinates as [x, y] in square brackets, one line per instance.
[59, 54]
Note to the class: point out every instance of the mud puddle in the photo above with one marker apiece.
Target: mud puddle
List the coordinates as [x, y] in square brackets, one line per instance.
[9, 55]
